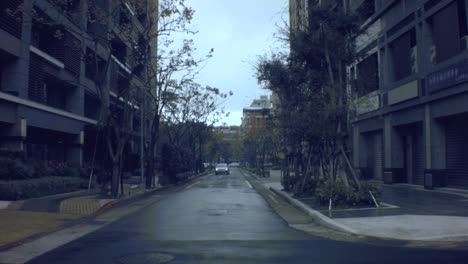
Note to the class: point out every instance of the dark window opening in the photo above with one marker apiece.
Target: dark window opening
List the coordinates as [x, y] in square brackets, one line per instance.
[136, 124]
[96, 24]
[119, 50]
[70, 8]
[94, 66]
[58, 43]
[48, 38]
[123, 83]
[404, 55]
[11, 16]
[366, 9]
[124, 18]
[92, 106]
[56, 93]
[367, 75]
[447, 43]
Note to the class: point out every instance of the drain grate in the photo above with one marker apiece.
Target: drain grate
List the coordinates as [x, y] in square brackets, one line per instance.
[147, 257]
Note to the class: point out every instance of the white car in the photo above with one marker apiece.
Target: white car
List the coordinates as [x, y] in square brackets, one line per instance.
[221, 168]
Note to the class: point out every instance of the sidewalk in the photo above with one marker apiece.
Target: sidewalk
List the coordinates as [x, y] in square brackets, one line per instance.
[27, 219]
[409, 213]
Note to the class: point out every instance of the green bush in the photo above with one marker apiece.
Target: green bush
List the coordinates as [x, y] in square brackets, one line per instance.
[15, 169]
[24, 189]
[341, 195]
[290, 183]
[12, 154]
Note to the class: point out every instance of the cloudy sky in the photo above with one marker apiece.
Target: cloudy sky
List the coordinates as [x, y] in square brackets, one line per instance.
[239, 31]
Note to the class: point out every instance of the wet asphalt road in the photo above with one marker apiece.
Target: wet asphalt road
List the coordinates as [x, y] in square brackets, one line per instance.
[221, 219]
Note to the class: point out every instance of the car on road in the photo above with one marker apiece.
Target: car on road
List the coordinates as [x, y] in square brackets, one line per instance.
[221, 168]
[234, 164]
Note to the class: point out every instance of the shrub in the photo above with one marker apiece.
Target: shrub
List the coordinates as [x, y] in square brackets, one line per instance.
[14, 169]
[341, 195]
[12, 154]
[290, 183]
[100, 174]
[57, 168]
[39, 168]
[24, 189]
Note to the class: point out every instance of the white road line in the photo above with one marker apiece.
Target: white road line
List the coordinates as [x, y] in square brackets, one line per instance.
[248, 184]
[191, 185]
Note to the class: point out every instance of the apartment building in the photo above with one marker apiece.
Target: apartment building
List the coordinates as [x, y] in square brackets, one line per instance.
[412, 100]
[256, 114]
[49, 98]
[409, 87]
[229, 134]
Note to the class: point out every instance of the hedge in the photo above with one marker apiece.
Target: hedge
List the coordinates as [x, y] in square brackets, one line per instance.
[24, 189]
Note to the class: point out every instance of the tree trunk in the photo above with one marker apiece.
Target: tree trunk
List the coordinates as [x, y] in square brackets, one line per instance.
[115, 179]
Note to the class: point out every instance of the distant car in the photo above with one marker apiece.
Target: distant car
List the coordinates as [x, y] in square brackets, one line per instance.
[234, 164]
[221, 168]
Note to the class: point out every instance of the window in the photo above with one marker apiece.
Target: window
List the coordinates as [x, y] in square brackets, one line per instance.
[56, 94]
[366, 9]
[448, 43]
[92, 106]
[367, 75]
[119, 50]
[90, 65]
[10, 19]
[404, 55]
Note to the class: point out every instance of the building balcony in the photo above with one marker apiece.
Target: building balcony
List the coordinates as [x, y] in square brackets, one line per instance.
[368, 103]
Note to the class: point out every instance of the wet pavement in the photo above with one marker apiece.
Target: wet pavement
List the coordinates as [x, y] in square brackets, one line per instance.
[222, 219]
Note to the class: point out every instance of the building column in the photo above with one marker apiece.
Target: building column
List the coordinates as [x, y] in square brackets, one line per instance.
[75, 151]
[356, 146]
[16, 135]
[16, 75]
[393, 153]
[434, 133]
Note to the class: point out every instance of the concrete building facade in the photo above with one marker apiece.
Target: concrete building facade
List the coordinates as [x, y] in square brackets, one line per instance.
[409, 89]
[256, 114]
[49, 101]
[412, 108]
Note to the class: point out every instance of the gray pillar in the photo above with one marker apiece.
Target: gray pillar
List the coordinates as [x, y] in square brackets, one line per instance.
[75, 151]
[16, 75]
[16, 136]
[356, 147]
[437, 145]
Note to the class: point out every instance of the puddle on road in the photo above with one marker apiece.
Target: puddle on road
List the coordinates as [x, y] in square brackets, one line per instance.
[214, 212]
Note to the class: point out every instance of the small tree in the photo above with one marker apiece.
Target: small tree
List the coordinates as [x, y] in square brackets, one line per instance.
[172, 69]
[311, 85]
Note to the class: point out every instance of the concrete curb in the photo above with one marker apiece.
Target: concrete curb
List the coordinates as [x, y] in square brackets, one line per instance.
[316, 215]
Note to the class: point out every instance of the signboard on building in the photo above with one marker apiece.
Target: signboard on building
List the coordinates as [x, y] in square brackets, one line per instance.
[452, 75]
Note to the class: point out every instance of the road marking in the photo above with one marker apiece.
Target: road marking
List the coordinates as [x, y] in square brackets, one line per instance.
[248, 184]
[191, 185]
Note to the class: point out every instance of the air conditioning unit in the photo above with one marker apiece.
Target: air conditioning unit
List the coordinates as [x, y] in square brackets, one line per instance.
[414, 59]
[464, 43]
[433, 55]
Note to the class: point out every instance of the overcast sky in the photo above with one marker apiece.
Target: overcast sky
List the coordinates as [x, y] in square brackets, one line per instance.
[239, 31]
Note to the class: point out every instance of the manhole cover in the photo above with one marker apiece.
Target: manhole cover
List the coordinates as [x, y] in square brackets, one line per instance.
[149, 257]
